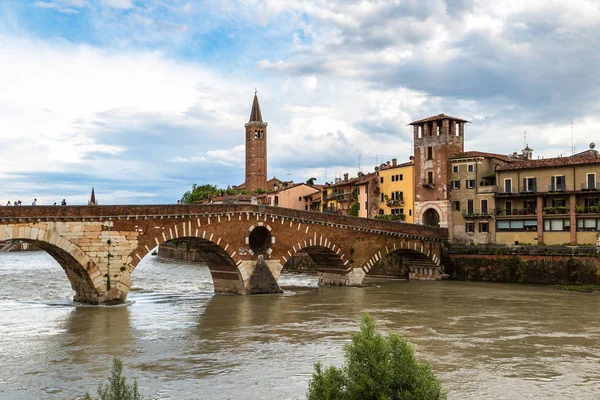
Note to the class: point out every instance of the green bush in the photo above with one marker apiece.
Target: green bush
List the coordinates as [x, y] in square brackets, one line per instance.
[377, 367]
[117, 387]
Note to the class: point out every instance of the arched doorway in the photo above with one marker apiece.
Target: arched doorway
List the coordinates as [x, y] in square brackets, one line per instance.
[431, 218]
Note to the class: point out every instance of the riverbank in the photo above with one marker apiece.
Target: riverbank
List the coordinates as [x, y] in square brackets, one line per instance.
[540, 265]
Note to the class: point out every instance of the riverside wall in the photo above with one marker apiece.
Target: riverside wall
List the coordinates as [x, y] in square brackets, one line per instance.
[546, 265]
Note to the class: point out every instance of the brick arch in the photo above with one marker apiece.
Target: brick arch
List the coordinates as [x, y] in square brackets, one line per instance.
[221, 258]
[85, 277]
[327, 256]
[404, 246]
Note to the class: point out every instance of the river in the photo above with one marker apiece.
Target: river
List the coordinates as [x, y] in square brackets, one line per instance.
[484, 341]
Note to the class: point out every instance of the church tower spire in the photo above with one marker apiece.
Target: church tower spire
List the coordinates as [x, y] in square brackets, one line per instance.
[256, 150]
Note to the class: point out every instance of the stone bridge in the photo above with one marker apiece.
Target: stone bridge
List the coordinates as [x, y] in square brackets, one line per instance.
[245, 246]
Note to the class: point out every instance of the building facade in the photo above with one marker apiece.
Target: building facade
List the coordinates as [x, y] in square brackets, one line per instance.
[436, 140]
[472, 190]
[256, 150]
[549, 201]
[292, 196]
[396, 187]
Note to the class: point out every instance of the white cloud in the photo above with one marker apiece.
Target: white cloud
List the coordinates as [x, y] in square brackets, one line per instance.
[119, 4]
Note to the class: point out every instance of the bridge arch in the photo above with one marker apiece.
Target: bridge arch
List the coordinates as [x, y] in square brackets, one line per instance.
[86, 279]
[222, 260]
[331, 263]
[419, 256]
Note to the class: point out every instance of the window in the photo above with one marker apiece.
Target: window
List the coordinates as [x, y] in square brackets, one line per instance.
[430, 153]
[587, 225]
[469, 227]
[398, 211]
[558, 183]
[366, 206]
[401, 176]
[276, 200]
[470, 183]
[470, 168]
[508, 185]
[430, 177]
[410, 212]
[382, 199]
[455, 184]
[469, 206]
[516, 226]
[529, 206]
[559, 202]
[381, 180]
[420, 132]
[529, 185]
[358, 206]
[557, 225]
[455, 169]
[508, 207]
[306, 208]
[484, 227]
[592, 202]
[591, 181]
[299, 198]
[484, 208]
[456, 205]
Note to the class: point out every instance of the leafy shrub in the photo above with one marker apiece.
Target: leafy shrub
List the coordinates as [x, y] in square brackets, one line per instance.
[117, 387]
[377, 367]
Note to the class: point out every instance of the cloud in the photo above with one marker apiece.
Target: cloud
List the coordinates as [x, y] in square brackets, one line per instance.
[119, 4]
[152, 96]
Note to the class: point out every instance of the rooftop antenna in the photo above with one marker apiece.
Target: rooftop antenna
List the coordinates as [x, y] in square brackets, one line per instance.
[359, 157]
[525, 139]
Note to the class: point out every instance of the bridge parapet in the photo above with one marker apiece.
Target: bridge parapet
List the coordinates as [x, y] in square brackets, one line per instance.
[70, 213]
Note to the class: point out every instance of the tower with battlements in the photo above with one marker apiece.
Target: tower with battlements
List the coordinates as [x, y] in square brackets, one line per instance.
[256, 150]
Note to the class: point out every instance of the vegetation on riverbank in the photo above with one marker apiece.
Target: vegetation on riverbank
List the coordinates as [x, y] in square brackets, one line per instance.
[579, 288]
[377, 367]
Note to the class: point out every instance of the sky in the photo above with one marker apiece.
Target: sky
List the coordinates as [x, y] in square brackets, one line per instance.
[142, 99]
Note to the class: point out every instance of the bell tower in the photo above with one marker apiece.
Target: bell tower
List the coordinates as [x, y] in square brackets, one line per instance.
[256, 150]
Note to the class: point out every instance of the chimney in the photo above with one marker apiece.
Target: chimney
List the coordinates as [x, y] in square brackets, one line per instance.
[394, 162]
[388, 164]
[346, 177]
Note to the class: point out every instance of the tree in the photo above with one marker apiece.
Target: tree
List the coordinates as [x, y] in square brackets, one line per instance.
[311, 181]
[377, 368]
[199, 193]
[117, 387]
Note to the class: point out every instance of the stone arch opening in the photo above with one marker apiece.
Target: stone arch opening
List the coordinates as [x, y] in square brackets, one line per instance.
[223, 269]
[259, 240]
[431, 217]
[86, 291]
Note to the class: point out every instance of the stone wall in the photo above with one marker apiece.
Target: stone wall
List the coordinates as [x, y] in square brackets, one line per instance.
[530, 269]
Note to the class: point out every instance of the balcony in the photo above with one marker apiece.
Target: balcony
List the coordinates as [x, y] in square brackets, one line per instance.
[395, 203]
[556, 210]
[470, 214]
[504, 191]
[500, 212]
[587, 210]
[556, 188]
[586, 187]
[430, 185]
[487, 189]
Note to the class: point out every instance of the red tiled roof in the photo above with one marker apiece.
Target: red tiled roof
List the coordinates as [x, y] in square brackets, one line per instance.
[438, 117]
[550, 162]
[469, 154]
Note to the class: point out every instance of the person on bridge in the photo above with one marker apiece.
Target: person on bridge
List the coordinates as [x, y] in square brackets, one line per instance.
[8, 204]
[34, 202]
[63, 202]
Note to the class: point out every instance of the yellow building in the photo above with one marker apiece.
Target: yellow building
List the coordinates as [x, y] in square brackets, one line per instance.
[397, 190]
